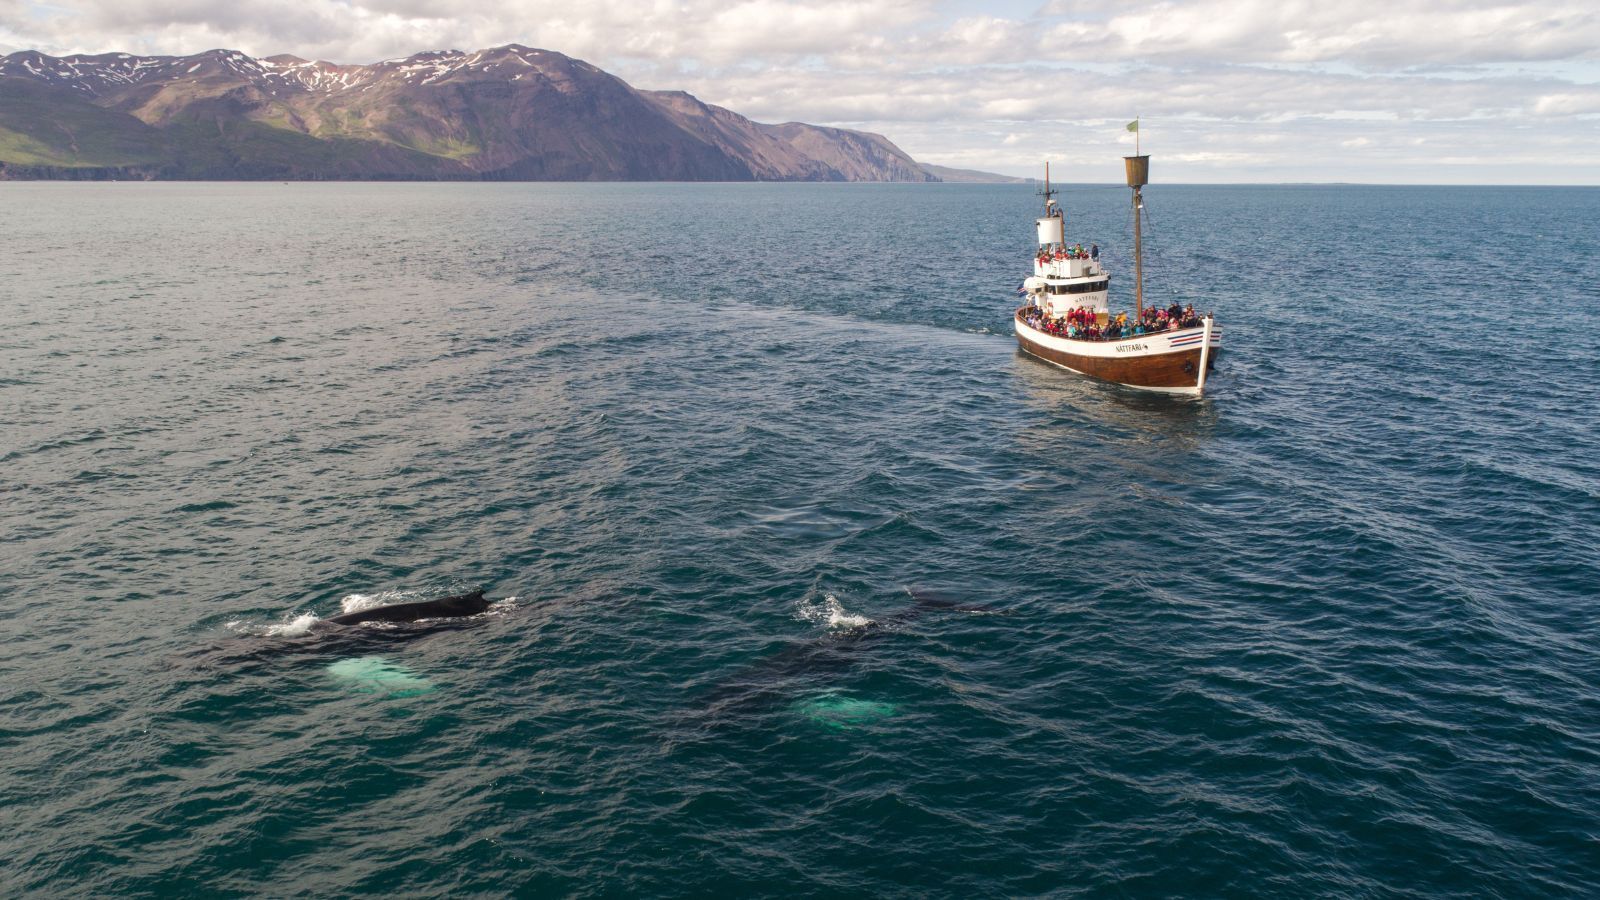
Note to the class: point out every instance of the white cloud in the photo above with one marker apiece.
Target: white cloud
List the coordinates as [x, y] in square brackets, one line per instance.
[1568, 103]
[1390, 33]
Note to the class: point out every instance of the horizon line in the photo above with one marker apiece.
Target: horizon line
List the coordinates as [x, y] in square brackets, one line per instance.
[1026, 183]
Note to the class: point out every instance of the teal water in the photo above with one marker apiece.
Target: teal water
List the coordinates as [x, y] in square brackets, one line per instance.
[1330, 630]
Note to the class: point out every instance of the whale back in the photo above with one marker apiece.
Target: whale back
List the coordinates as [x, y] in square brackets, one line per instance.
[448, 607]
[466, 604]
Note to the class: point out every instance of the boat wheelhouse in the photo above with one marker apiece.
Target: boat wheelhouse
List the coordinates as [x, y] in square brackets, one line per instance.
[1067, 320]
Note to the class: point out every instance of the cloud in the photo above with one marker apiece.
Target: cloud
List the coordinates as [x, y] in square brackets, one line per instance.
[1568, 103]
[1011, 94]
[1393, 33]
[773, 27]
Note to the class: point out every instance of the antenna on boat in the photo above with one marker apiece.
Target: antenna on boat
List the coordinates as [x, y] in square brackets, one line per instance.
[1138, 168]
[1049, 193]
[1052, 211]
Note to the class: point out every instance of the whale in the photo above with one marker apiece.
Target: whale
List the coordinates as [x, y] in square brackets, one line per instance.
[339, 637]
[458, 606]
[804, 663]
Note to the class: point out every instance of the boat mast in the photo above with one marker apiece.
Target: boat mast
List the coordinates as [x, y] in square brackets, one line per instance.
[1050, 200]
[1053, 210]
[1138, 168]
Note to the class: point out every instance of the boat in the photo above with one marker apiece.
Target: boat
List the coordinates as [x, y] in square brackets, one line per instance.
[1066, 320]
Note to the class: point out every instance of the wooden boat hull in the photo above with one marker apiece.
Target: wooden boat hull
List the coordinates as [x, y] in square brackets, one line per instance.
[1168, 362]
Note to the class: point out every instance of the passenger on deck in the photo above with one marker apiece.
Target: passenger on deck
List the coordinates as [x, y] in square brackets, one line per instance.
[1094, 252]
[1082, 323]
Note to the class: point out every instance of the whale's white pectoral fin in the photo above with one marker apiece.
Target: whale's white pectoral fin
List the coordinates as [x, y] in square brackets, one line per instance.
[376, 675]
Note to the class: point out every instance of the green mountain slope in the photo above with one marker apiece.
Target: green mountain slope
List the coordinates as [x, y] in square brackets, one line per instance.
[44, 125]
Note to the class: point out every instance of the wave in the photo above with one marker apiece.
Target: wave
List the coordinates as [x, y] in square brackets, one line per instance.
[296, 626]
[830, 614]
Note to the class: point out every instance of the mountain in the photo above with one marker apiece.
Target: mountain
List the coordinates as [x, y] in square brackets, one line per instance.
[507, 113]
[971, 176]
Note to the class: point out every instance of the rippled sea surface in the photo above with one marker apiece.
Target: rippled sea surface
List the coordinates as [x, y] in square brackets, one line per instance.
[1331, 630]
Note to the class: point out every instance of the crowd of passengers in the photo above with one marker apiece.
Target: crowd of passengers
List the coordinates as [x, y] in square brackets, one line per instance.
[1083, 324]
[1074, 252]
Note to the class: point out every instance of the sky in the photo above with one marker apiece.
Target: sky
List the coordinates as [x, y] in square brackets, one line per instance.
[1375, 91]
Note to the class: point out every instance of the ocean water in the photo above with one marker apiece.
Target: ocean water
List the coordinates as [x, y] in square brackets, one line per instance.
[808, 582]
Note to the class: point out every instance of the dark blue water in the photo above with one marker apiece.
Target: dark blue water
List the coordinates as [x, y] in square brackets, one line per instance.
[1331, 630]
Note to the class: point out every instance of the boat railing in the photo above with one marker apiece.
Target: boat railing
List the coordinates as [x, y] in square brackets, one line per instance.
[1215, 330]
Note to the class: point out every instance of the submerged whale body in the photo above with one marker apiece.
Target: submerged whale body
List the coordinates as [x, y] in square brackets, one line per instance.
[443, 608]
[803, 662]
[377, 675]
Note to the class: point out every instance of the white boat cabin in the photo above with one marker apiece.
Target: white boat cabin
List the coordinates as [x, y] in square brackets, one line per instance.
[1065, 278]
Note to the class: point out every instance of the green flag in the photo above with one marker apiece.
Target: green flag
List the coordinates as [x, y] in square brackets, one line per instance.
[1134, 125]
